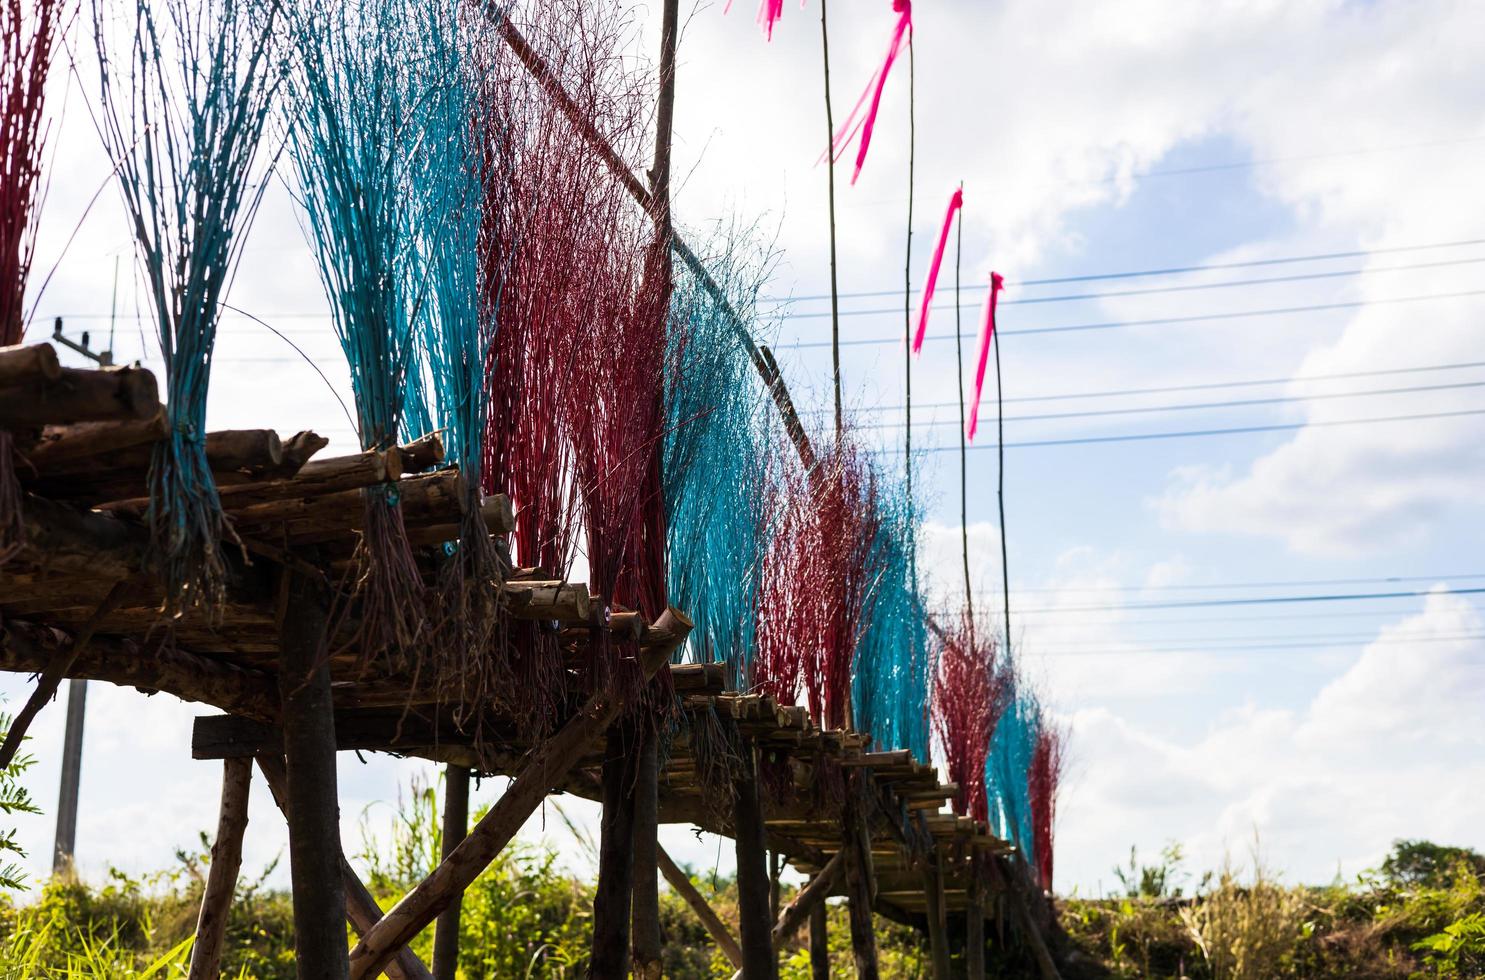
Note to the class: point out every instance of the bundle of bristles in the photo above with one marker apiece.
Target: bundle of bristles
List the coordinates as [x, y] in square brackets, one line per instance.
[29, 30]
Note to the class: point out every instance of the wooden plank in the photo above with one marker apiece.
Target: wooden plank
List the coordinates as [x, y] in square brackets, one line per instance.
[546, 765]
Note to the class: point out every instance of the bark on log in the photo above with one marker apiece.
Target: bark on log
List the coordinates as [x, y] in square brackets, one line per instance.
[545, 766]
[715, 927]
[938, 926]
[25, 363]
[313, 811]
[857, 844]
[79, 395]
[69, 448]
[360, 905]
[25, 647]
[565, 601]
[974, 925]
[646, 939]
[428, 499]
[495, 510]
[421, 453]
[612, 899]
[221, 876]
[809, 897]
[819, 943]
[319, 478]
[755, 920]
[455, 827]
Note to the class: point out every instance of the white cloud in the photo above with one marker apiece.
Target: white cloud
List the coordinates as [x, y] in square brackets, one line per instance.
[1382, 751]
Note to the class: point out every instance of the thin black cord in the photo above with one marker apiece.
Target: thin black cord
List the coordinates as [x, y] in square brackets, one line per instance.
[907, 316]
[1005, 564]
[969, 604]
[840, 422]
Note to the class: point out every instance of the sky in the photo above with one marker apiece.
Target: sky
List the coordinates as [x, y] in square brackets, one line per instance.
[1091, 139]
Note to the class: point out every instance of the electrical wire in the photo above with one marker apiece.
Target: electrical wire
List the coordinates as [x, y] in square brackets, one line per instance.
[1255, 601]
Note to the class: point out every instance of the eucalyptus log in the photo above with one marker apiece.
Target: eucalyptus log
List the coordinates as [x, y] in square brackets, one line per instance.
[313, 809]
[754, 917]
[715, 927]
[79, 395]
[29, 363]
[495, 510]
[819, 942]
[455, 827]
[70, 448]
[612, 898]
[646, 940]
[431, 498]
[938, 925]
[544, 767]
[221, 876]
[362, 911]
[974, 920]
[565, 601]
[28, 648]
[421, 453]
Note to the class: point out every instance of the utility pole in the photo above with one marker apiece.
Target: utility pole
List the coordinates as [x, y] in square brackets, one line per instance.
[67, 798]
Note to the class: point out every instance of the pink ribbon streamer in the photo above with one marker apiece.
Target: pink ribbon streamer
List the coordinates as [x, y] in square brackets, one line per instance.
[903, 30]
[987, 337]
[955, 203]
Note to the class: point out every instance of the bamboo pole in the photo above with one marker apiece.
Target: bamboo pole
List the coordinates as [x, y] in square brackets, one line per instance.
[221, 878]
[715, 927]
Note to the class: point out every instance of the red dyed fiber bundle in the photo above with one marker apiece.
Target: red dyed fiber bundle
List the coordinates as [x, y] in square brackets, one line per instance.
[970, 694]
[1042, 782]
[816, 581]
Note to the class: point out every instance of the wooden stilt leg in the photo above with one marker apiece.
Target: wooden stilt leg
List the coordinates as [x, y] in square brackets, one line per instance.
[756, 922]
[714, 925]
[545, 765]
[455, 827]
[974, 926]
[819, 943]
[611, 901]
[308, 723]
[859, 880]
[938, 926]
[361, 909]
[646, 939]
[221, 877]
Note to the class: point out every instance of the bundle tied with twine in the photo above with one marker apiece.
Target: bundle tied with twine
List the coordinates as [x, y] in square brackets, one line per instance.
[356, 141]
[456, 302]
[183, 115]
[28, 37]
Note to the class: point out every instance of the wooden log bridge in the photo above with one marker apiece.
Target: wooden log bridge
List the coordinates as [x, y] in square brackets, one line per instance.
[284, 684]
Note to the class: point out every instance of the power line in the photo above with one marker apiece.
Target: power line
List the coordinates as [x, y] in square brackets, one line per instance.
[1201, 433]
[1259, 648]
[1254, 601]
[1278, 584]
[1161, 290]
[1274, 640]
[1169, 271]
[1189, 406]
[1161, 321]
[1205, 386]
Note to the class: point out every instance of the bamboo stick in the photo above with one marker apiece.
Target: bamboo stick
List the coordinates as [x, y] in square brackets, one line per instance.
[715, 927]
[221, 879]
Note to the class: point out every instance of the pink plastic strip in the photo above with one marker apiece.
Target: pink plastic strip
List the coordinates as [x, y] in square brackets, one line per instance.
[903, 30]
[769, 13]
[987, 337]
[955, 203]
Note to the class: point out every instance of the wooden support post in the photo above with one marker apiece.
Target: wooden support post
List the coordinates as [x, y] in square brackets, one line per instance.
[611, 901]
[713, 923]
[70, 793]
[974, 925]
[221, 876]
[313, 812]
[455, 828]
[755, 920]
[938, 926]
[361, 909]
[859, 885]
[646, 941]
[819, 943]
[544, 767]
